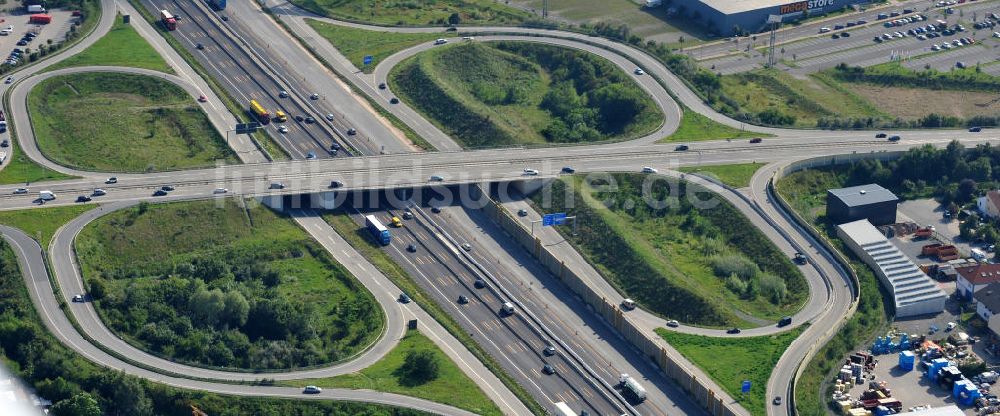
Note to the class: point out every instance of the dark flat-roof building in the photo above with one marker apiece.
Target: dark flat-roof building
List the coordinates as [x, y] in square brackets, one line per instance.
[871, 202]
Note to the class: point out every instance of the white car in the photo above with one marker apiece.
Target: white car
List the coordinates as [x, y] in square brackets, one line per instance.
[99, 192]
[441, 41]
[824, 30]
[20, 191]
[673, 323]
[436, 178]
[531, 172]
[111, 180]
[220, 191]
[283, 129]
[996, 34]
[639, 71]
[329, 116]
[935, 48]
[647, 169]
[77, 298]
[468, 38]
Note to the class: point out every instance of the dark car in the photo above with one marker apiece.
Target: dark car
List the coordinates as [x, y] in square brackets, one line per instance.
[403, 298]
[299, 118]
[776, 401]
[786, 321]
[733, 331]
[351, 132]
[894, 138]
[845, 35]
[548, 369]
[4, 143]
[800, 258]
[549, 351]
[880, 135]
[975, 129]
[199, 46]
[756, 140]
[480, 283]
[394, 100]
[335, 146]
[462, 300]
[310, 120]
[83, 198]
[167, 188]
[22, 43]
[159, 192]
[336, 184]
[225, 18]
[681, 147]
[568, 169]
[522, 212]
[381, 86]
[411, 248]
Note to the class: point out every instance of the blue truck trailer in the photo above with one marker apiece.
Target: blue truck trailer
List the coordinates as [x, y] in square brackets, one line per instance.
[379, 231]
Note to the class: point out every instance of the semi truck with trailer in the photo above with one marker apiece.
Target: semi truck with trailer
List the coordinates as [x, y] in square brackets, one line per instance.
[379, 231]
[168, 20]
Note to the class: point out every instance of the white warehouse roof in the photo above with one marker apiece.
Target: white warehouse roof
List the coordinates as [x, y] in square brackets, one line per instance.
[913, 291]
[739, 6]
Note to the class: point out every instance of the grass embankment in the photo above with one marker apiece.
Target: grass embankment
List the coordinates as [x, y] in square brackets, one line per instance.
[135, 123]
[59, 374]
[358, 238]
[224, 286]
[451, 386]
[122, 46]
[21, 169]
[515, 93]
[778, 98]
[805, 192]
[356, 43]
[705, 266]
[696, 127]
[729, 361]
[42, 223]
[422, 13]
[737, 175]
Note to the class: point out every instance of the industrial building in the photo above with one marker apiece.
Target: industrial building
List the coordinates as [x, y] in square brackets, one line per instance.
[871, 202]
[913, 292]
[729, 17]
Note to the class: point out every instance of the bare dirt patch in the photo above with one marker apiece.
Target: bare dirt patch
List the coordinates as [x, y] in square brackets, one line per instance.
[916, 103]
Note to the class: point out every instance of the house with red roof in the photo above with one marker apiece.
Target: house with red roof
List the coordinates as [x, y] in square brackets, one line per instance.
[989, 205]
[975, 277]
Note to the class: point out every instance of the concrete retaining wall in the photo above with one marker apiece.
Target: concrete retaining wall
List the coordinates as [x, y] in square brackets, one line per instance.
[716, 403]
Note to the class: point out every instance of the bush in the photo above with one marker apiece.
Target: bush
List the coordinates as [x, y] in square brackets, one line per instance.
[734, 264]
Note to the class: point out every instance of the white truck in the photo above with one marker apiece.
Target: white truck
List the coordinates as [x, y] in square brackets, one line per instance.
[36, 8]
[46, 195]
[654, 3]
[631, 388]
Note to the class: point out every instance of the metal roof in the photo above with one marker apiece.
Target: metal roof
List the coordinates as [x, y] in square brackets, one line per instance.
[989, 296]
[863, 195]
[738, 6]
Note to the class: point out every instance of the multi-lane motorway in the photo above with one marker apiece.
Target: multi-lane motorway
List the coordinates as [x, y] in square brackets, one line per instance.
[585, 364]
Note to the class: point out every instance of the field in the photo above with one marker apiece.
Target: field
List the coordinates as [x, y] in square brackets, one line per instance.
[57, 373]
[220, 284]
[122, 46]
[730, 361]
[42, 223]
[356, 43]
[21, 169]
[913, 103]
[139, 124]
[451, 386]
[696, 127]
[414, 13]
[359, 239]
[650, 24]
[737, 176]
[520, 93]
[806, 100]
[705, 266]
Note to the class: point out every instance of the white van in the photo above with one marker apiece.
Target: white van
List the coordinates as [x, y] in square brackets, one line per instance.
[978, 254]
[46, 195]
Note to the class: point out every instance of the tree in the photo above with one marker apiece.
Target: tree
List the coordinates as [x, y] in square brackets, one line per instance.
[454, 19]
[966, 190]
[82, 404]
[207, 305]
[128, 396]
[235, 309]
[420, 367]
[97, 288]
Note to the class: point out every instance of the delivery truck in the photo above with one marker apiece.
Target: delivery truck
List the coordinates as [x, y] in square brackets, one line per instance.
[379, 231]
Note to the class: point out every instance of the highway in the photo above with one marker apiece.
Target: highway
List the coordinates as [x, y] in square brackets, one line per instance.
[391, 171]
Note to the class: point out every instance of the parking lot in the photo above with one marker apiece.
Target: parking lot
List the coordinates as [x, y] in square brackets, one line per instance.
[17, 19]
[821, 51]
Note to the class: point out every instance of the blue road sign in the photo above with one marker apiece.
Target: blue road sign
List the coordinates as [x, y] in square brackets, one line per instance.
[369, 59]
[558, 218]
[746, 386]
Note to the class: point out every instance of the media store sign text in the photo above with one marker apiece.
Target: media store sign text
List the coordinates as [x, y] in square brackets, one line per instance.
[805, 5]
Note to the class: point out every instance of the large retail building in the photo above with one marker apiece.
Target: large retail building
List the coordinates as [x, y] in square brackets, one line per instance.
[727, 17]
